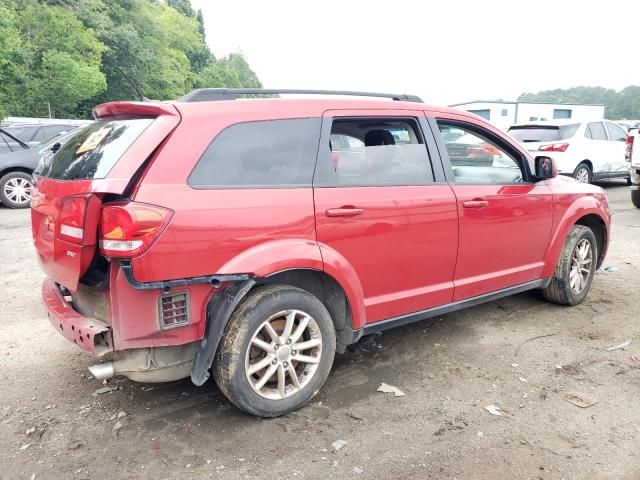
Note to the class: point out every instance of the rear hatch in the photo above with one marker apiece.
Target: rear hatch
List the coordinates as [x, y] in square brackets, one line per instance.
[550, 138]
[99, 163]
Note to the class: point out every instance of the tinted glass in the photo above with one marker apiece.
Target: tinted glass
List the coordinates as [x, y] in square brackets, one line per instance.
[22, 133]
[394, 154]
[39, 136]
[537, 133]
[274, 153]
[616, 134]
[94, 151]
[475, 159]
[597, 131]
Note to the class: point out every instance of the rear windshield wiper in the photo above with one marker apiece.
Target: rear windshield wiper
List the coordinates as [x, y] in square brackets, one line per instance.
[17, 140]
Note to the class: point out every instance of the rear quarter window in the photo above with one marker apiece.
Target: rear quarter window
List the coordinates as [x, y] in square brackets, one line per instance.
[94, 151]
[270, 154]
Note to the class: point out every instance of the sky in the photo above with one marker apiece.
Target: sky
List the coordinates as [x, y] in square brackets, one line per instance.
[444, 51]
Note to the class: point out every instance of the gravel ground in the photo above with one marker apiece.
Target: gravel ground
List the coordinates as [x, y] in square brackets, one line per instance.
[520, 354]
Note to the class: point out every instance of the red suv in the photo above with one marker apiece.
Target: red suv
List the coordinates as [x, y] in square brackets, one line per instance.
[254, 238]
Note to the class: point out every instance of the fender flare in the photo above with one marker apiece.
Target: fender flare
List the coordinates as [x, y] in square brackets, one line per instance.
[219, 309]
[277, 256]
[264, 260]
[580, 208]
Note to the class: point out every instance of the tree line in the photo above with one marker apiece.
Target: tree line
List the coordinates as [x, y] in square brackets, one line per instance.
[65, 56]
[619, 105]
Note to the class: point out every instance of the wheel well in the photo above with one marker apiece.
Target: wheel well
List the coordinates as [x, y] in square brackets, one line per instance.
[328, 291]
[595, 223]
[15, 169]
[588, 164]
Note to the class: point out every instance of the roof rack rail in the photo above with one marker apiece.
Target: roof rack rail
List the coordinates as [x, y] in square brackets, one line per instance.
[213, 94]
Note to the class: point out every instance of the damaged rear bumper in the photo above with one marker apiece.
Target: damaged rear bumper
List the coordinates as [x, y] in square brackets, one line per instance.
[86, 332]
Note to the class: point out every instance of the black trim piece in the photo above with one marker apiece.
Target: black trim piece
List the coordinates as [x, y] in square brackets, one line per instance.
[432, 150]
[214, 94]
[448, 308]
[219, 310]
[166, 285]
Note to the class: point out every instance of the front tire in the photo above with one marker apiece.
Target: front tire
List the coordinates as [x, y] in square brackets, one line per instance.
[635, 198]
[277, 351]
[576, 267]
[15, 189]
[583, 173]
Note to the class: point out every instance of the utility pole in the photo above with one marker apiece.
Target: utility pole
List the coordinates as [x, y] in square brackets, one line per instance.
[49, 106]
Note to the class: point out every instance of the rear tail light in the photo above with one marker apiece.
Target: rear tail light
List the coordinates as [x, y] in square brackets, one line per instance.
[129, 229]
[554, 147]
[629, 152]
[71, 219]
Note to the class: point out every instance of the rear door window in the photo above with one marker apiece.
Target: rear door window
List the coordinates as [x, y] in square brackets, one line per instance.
[595, 131]
[94, 151]
[267, 154]
[373, 151]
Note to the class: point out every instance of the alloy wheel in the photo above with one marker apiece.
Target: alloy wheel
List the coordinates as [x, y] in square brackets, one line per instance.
[581, 263]
[283, 354]
[18, 190]
[582, 175]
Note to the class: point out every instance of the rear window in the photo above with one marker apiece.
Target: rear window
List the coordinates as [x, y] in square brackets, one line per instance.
[537, 133]
[94, 151]
[272, 153]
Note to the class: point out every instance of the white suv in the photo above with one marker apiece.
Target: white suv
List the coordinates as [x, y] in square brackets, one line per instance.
[584, 150]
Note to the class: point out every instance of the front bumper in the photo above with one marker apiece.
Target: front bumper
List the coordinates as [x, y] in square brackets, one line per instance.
[86, 332]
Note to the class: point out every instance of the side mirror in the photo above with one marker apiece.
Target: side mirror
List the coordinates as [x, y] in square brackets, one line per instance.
[545, 168]
[55, 147]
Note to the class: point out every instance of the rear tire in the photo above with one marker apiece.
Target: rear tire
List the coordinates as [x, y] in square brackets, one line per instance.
[583, 173]
[15, 189]
[282, 333]
[635, 198]
[573, 275]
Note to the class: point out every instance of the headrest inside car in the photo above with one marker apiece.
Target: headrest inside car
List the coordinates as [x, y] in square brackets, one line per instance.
[378, 137]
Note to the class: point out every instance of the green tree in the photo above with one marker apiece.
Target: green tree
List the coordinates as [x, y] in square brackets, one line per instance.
[618, 105]
[56, 62]
[74, 54]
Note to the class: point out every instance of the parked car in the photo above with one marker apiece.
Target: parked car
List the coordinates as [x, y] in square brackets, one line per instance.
[586, 151]
[16, 169]
[32, 134]
[225, 235]
[633, 161]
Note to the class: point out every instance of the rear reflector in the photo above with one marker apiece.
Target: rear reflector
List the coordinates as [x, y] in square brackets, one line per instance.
[174, 309]
[129, 229]
[554, 147]
[629, 152]
[71, 219]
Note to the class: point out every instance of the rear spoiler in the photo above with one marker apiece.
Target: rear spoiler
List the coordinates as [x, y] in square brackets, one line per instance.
[143, 109]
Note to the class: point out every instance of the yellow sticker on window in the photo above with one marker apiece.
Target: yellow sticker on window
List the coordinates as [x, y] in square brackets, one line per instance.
[93, 140]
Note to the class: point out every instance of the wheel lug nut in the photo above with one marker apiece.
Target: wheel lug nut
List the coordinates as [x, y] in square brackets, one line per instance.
[288, 341]
[293, 352]
[274, 361]
[276, 346]
[285, 364]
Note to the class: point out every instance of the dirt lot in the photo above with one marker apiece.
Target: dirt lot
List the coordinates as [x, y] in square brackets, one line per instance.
[523, 355]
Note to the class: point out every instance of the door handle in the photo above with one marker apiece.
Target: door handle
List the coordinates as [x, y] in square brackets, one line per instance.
[477, 203]
[343, 212]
